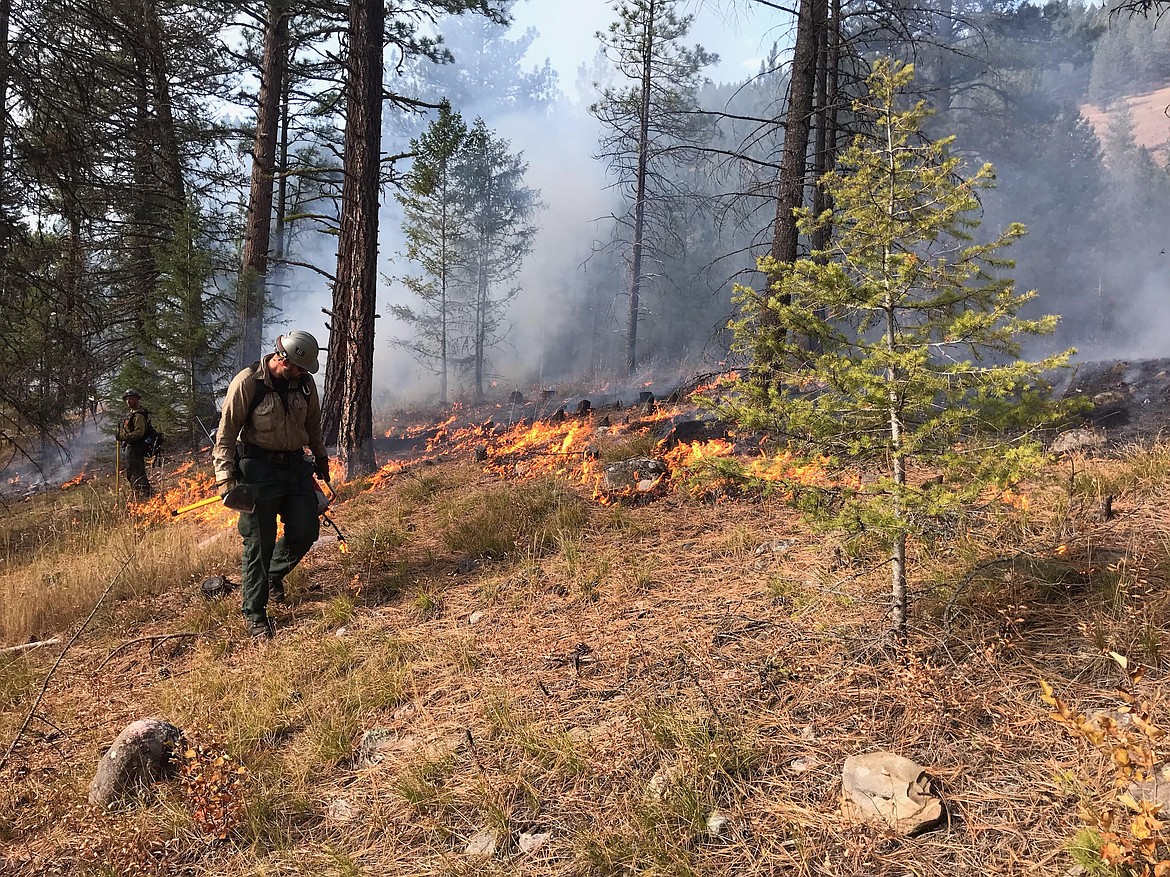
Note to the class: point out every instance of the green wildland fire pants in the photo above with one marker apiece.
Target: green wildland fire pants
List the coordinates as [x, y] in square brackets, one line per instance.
[282, 485]
[134, 453]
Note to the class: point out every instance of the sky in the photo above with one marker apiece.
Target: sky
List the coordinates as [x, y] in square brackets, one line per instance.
[739, 31]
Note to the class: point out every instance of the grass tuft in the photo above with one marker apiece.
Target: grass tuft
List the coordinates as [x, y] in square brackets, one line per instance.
[510, 520]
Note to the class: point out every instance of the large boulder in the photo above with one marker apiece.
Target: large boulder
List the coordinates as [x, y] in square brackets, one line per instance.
[885, 789]
[143, 754]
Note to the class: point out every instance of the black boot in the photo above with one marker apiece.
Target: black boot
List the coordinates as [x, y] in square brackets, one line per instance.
[260, 629]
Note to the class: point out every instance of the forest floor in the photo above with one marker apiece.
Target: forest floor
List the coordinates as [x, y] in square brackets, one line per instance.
[426, 690]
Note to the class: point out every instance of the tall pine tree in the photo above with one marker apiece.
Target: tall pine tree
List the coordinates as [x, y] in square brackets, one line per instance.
[434, 226]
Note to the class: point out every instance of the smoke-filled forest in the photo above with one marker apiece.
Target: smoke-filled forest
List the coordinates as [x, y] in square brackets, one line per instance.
[414, 462]
[181, 182]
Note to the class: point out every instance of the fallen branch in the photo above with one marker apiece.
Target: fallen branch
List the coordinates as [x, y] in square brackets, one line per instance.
[23, 647]
[154, 639]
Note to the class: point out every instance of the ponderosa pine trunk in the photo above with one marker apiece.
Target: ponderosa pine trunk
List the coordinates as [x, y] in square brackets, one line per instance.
[640, 193]
[258, 232]
[354, 291]
[798, 122]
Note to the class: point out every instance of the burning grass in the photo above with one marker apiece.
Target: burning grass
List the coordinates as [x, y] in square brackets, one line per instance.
[578, 447]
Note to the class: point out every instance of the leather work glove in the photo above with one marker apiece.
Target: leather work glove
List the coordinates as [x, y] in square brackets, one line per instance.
[323, 468]
[224, 488]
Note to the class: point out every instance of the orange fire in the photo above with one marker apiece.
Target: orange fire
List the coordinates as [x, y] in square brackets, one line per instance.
[186, 491]
[565, 448]
[717, 383]
[382, 476]
[1015, 499]
[80, 477]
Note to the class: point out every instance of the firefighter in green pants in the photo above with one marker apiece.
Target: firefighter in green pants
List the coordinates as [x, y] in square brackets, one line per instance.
[270, 415]
[132, 434]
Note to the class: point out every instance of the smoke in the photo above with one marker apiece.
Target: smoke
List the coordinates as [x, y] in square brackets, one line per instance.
[54, 463]
[576, 202]
[1093, 251]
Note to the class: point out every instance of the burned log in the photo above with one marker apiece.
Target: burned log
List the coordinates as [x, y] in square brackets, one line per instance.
[687, 430]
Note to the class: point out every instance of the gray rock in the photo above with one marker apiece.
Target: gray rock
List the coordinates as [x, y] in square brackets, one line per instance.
[803, 764]
[1154, 789]
[530, 841]
[1078, 440]
[628, 475]
[719, 825]
[778, 546]
[375, 745]
[142, 755]
[882, 788]
[482, 846]
[661, 784]
[340, 810]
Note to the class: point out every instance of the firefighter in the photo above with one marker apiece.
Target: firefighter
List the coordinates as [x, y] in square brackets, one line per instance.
[132, 433]
[270, 414]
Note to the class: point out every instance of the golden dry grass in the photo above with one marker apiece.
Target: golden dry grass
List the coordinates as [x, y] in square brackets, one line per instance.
[663, 635]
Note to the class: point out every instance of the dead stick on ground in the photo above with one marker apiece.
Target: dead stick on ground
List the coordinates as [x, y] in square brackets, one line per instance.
[45, 685]
[154, 638]
[23, 647]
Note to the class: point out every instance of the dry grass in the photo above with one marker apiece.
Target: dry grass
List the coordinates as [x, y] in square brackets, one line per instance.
[61, 557]
[609, 645]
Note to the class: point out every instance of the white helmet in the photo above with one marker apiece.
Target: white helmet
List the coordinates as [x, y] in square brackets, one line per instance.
[299, 348]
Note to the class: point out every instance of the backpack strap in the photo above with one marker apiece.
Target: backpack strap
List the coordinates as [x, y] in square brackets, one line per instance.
[260, 390]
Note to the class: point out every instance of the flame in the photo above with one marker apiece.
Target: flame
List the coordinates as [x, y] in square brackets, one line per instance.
[781, 467]
[382, 476]
[186, 491]
[1015, 499]
[690, 455]
[563, 446]
[77, 480]
[716, 383]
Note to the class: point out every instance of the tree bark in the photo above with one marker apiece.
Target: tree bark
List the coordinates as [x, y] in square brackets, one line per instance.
[825, 145]
[640, 191]
[355, 288]
[793, 160]
[279, 271]
[5, 221]
[258, 231]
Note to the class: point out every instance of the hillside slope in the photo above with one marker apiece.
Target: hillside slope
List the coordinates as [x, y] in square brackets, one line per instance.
[425, 688]
[1151, 126]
